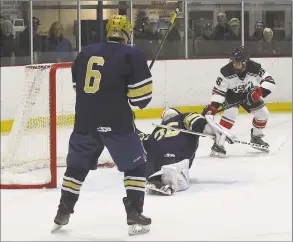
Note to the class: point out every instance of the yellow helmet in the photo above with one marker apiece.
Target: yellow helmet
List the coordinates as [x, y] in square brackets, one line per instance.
[119, 26]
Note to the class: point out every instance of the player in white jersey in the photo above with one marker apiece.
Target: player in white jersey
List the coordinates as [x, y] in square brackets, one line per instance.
[241, 80]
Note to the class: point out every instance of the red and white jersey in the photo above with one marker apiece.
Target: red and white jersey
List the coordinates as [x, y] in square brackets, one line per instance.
[254, 75]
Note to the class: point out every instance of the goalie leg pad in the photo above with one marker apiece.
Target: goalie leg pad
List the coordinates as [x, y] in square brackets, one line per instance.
[177, 175]
[158, 188]
[170, 179]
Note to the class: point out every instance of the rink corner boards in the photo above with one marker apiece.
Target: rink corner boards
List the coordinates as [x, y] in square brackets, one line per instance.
[153, 113]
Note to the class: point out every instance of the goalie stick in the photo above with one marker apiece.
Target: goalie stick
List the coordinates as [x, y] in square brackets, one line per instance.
[265, 148]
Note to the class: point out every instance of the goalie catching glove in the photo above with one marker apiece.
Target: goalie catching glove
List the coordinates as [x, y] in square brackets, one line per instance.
[221, 134]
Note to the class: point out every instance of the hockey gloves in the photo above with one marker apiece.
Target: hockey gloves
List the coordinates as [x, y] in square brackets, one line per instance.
[209, 110]
[254, 95]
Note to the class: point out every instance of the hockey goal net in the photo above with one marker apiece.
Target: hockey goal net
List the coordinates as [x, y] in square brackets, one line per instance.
[38, 141]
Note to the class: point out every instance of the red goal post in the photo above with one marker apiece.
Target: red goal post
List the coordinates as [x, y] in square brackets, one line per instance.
[31, 91]
[38, 141]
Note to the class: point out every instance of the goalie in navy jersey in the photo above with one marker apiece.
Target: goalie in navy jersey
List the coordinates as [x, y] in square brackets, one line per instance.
[241, 80]
[170, 153]
[107, 77]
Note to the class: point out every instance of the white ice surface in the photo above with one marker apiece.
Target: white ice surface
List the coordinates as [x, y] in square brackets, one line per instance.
[245, 196]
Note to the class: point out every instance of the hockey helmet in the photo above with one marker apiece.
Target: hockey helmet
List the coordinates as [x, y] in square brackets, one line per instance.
[239, 57]
[169, 113]
[119, 27]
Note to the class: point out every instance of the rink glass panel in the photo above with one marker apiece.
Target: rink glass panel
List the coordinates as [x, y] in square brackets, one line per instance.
[278, 18]
[80, 26]
[57, 31]
[151, 20]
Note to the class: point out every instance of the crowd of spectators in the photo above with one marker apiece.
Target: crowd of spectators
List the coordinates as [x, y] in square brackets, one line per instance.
[51, 48]
[204, 41]
[217, 41]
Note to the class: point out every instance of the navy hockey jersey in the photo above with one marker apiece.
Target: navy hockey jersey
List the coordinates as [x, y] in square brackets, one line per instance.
[107, 77]
[165, 143]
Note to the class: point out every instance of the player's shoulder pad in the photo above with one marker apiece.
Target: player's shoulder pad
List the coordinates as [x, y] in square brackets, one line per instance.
[91, 48]
[134, 55]
[190, 118]
[227, 70]
[88, 51]
[188, 113]
[132, 50]
[253, 67]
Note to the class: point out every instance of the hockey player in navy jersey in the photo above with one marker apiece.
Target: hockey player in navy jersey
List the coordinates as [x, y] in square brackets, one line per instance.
[170, 153]
[242, 80]
[107, 77]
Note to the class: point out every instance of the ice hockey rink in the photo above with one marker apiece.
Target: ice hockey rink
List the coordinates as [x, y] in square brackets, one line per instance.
[245, 196]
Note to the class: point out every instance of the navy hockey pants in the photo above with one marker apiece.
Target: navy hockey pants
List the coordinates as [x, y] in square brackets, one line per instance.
[84, 149]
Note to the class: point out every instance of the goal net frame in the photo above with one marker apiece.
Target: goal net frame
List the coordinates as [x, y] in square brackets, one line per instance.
[52, 128]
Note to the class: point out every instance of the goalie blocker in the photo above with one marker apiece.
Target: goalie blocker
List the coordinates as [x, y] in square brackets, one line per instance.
[170, 152]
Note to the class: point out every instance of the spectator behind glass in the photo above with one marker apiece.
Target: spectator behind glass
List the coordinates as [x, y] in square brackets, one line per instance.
[23, 43]
[141, 20]
[221, 30]
[151, 31]
[94, 38]
[258, 34]
[205, 30]
[267, 46]
[57, 47]
[8, 46]
[234, 31]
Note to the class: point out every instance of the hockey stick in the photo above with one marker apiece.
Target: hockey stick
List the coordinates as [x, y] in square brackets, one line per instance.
[230, 106]
[167, 32]
[183, 130]
[266, 148]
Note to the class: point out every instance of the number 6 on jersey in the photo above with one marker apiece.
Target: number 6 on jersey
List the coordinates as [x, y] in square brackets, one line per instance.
[93, 77]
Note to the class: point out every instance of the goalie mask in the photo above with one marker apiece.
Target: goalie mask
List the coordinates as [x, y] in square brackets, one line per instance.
[169, 113]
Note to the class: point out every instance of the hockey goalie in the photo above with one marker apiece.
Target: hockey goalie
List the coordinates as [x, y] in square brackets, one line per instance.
[170, 152]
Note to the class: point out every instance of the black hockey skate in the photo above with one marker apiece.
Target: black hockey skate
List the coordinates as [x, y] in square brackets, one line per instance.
[218, 151]
[258, 140]
[62, 218]
[138, 223]
[158, 188]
